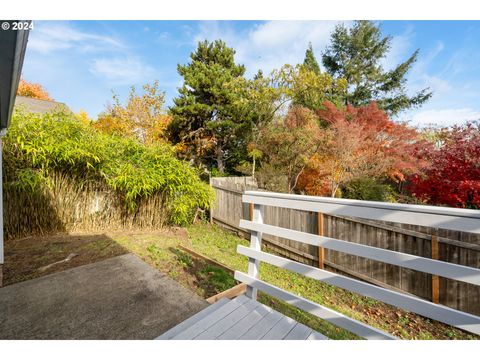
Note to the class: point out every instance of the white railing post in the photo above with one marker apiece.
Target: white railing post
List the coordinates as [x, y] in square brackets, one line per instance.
[255, 243]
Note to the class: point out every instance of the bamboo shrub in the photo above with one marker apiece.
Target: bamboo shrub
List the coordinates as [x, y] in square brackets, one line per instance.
[61, 175]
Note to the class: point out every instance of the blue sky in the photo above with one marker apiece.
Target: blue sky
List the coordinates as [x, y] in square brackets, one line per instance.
[81, 62]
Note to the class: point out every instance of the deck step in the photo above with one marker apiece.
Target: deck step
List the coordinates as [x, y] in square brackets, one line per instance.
[317, 336]
[299, 332]
[244, 325]
[280, 329]
[240, 318]
[211, 319]
[192, 320]
[262, 327]
[228, 321]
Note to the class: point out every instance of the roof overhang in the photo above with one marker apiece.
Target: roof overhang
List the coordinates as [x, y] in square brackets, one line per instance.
[13, 44]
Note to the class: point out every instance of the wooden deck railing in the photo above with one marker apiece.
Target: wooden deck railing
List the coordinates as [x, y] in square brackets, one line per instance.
[445, 218]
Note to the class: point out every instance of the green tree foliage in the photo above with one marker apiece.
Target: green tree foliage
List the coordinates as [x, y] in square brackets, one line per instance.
[268, 99]
[300, 86]
[355, 55]
[210, 121]
[286, 146]
[37, 144]
[310, 62]
[369, 189]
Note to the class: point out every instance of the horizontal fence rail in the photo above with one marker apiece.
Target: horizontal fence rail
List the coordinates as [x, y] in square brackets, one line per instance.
[452, 219]
[431, 216]
[441, 268]
[425, 308]
[356, 327]
[451, 246]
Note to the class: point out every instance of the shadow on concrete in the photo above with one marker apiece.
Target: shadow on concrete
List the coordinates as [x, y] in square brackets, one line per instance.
[118, 298]
[35, 256]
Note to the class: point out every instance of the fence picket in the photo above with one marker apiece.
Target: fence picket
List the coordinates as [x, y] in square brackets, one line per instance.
[454, 246]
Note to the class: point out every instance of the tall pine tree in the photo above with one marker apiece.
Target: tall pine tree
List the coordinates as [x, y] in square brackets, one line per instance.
[210, 123]
[310, 61]
[355, 55]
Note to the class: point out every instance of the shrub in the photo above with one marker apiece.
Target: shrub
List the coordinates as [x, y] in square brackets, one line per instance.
[37, 145]
[369, 189]
[452, 176]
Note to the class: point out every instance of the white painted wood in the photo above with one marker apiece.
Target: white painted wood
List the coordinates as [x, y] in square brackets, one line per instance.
[422, 307]
[192, 320]
[239, 318]
[248, 322]
[436, 267]
[431, 216]
[362, 330]
[317, 336]
[299, 332]
[255, 243]
[211, 319]
[262, 327]
[227, 322]
[281, 329]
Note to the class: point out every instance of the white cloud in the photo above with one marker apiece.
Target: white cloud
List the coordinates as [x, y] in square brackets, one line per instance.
[122, 70]
[163, 35]
[425, 60]
[108, 58]
[420, 78]
[444, 117]
[48, 37]
[437, 84]
[270, 45]
[400, 49]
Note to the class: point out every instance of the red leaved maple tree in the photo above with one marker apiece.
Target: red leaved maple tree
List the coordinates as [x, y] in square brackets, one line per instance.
[359, 142]
[453, 176]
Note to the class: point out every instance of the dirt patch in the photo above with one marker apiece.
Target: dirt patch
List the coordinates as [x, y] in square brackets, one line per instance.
[35, 256]
[201, 275]
[162, 250]
[31, 257]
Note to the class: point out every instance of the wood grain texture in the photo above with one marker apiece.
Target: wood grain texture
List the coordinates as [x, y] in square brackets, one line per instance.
[457, 247]
[452, 271]
[334, 317]
[449, 316]
[435, 278]
[321, 232]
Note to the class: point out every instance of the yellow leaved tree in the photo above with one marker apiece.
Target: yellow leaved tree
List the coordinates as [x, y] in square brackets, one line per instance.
[142, 116]
[32, 90]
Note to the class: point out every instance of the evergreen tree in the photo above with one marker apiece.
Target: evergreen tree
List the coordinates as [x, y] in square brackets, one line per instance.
[355, 55]
[310, 61]
[210, 124]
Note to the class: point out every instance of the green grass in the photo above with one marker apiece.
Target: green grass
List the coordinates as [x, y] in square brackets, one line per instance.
[206, 280]
[221, 245]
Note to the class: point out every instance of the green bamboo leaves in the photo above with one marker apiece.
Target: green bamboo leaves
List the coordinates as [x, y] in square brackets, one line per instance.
[38, 144]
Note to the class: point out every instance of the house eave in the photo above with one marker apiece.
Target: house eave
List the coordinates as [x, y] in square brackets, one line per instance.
[13, 44]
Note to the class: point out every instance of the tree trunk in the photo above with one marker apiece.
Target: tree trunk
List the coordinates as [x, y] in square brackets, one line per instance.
[334, 190]
[219, 155]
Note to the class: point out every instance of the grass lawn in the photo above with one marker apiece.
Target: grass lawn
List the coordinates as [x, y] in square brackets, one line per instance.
[160, 249]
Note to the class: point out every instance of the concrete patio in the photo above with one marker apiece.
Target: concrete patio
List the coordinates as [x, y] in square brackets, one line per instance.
[118, 298]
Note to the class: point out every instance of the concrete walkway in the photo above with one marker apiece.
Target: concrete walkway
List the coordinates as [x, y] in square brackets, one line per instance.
[118, 298]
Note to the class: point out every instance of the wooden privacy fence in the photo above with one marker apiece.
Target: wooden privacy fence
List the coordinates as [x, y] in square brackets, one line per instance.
[452, 219]
[449, 245]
